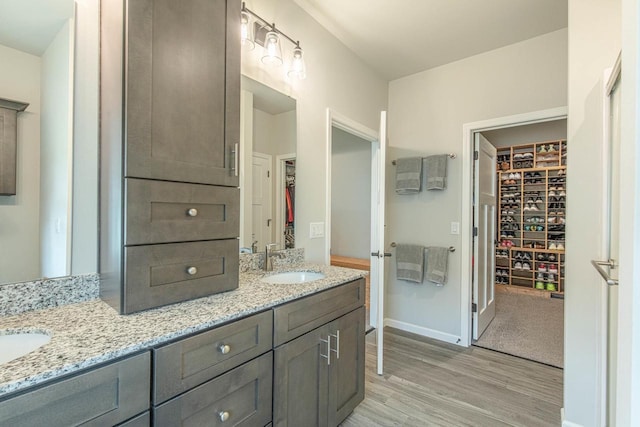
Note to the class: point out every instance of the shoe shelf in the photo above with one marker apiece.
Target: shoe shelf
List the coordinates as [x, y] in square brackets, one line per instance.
[539, 155]
[531, 215]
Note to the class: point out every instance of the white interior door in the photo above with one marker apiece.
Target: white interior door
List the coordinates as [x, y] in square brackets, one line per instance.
[612, 231]
[262, 190]
[484, 248]
[378, 258]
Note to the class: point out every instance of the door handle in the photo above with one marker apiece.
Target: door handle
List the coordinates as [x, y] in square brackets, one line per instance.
[269, 222]
[609, 263]
[337, 337]
[328, 355]
[235, 159]
[378, 255]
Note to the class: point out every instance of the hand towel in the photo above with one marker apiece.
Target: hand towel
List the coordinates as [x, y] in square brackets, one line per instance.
[437, 172]
[437, 265]
[409, 175]
[410, 263]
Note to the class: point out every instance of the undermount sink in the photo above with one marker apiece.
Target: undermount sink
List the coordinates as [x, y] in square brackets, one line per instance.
[14, 345]
[291, 277]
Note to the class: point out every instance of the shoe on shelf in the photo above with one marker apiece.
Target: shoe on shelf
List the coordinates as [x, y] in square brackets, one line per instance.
[526, 266]
[552, 149]
[552, 193]
[560, 246]
[553, 269]
[553, 246]
[517, 265]
[542, 267]
[543, 149]
[540, 285]
[527, 207]
[551, 287]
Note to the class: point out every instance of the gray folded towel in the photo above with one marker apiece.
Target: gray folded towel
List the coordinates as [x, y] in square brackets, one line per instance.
[409, 175]
[410, 263]
[437, 265]
[437, 172]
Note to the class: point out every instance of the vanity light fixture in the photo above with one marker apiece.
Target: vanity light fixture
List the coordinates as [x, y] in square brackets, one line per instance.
[268, 36]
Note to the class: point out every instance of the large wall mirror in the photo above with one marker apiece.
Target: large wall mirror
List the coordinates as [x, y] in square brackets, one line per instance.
[55, 204]
[268, 166]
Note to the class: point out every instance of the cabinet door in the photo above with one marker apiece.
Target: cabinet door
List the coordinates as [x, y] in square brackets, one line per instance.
[346, 376]
[8, 137]
[183, 90]
[300, 388]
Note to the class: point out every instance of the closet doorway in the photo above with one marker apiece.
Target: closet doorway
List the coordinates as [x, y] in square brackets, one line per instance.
[523, 268]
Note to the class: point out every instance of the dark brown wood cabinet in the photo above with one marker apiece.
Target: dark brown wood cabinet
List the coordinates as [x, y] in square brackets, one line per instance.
[169, 132]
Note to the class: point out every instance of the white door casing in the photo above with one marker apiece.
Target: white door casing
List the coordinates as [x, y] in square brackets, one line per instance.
[485, 190]
[261, 200]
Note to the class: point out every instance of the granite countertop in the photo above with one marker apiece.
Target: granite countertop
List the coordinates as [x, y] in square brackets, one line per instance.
[90, 333]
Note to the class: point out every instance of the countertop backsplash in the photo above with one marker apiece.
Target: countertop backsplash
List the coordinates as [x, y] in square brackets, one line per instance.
[16, 298]
[255, 261]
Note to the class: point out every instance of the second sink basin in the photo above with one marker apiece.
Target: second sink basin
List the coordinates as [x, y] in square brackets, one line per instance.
[291, 277]
[14, 345]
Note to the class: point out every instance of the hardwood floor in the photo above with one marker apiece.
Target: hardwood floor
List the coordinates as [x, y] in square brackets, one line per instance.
[430, 383]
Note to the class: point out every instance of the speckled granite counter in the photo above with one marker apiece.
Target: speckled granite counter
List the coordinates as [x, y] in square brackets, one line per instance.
[89, 333]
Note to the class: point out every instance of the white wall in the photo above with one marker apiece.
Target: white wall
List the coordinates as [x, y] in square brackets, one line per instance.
[628, 392]
[594, 43]
[55, 156]
[537, 132]
[426, 114]
[19, 214]
[336, 79]
[350, 195]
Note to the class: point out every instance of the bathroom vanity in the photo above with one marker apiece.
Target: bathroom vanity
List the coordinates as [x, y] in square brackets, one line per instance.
[229, 357]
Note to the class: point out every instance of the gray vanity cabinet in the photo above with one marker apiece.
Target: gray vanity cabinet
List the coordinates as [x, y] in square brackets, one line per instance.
[169, 131]
[319, 376]
[183, 90]
[105, 396]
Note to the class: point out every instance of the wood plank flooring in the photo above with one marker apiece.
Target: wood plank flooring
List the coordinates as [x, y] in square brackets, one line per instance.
[430, 383]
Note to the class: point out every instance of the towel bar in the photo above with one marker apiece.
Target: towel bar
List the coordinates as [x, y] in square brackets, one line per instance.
[451, 248]
[451, 156]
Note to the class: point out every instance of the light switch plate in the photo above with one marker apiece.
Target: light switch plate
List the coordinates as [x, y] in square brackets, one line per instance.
[455, 228]
[316, 230]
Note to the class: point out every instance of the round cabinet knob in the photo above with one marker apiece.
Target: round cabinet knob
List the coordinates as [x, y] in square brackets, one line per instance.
[192, 212]
[192, 270]
[224, 415]
[224, 348]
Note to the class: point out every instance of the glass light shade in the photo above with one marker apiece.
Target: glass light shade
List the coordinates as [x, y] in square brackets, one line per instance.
[273, 50]
[246, 31]
[298, 69]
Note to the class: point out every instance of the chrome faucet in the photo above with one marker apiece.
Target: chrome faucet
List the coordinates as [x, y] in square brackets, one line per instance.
[269, 254]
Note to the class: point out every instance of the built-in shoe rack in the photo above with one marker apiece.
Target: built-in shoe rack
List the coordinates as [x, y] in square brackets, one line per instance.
[531, 215]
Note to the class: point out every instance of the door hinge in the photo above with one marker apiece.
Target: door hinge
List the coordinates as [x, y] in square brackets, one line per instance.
[474, 307]
[475, 155]
[475, 231]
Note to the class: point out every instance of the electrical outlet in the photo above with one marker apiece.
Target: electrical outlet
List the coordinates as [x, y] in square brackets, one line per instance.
[316, 230]
[455, 228]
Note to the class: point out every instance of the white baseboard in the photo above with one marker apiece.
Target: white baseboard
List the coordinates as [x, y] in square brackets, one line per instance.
[422, 331]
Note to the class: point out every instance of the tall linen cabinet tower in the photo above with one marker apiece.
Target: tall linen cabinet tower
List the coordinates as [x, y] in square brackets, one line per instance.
[169, 132]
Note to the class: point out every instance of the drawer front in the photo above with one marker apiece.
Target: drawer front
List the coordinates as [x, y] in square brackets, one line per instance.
[193, 361]
[157, 275]
[164, 212]
[142, 420]
[296, 318]
[103, 396]
[241, 397]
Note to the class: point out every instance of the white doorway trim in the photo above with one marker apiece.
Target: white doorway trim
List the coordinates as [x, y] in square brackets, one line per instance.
[280, 177]
[468, 130]
[335, 119]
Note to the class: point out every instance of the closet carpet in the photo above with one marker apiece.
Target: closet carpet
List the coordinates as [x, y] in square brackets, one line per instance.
[527, 326]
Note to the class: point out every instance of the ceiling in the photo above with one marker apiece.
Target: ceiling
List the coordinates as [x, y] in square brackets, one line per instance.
[399, 38]
[31, 25]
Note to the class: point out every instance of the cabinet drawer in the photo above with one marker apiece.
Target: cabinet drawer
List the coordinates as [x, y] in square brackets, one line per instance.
[164, 212]
[142, 420]
[242, 396]
[193, 361]
[296, 318]
[156, 275]
[103, 396]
